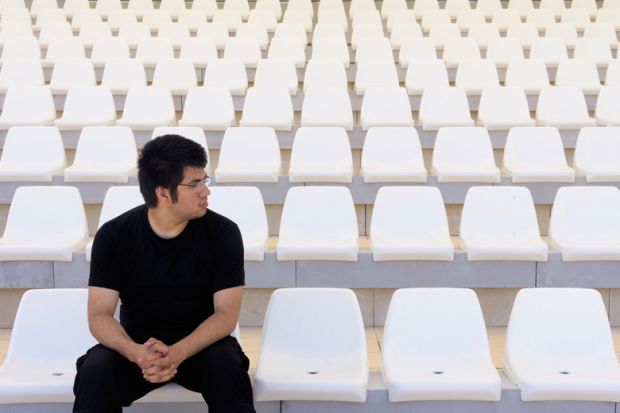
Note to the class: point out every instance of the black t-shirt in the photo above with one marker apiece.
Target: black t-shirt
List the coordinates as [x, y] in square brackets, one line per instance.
[166, 286]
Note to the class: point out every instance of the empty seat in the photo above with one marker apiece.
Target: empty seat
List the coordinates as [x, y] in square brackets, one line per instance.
[607, 111]
[444, 106]
[87, 106]
[464, 154]
[28, 106]
[155, 18]
[594, 49]
[318, 223]
[455, 7]
[321, 154]
[401, 32]
[474, 75]
[298, 16]
[541, 18]
[458, 49]
[292, 30]
[433, 18]
[173, 6]
[529, 74]
[276, 72]
[117, 200]
[441, 33]
[70, 73]
[374, 49]
[267, 18]
[416, 48]
[199, 50]
[559, 346]
[604, 30]
[327, 341]
[254, 31]
[21, 71]
[140, 7]
[487, 234]
[484, 33]
[373, 31]
[612, 76]
[229, 73]
[504, 49]
[54, 30]
[579, 72]
[26, 375]
[566, 31]
[268, 106]
[22, 47]
[147, 107]
[32, 153]
[326, 106]
[287, 48]
[63, 48]
[249, 154]
[152, 50]
[423, 73]
[106, 7]
[410, 223]
[392, 154]
[215, 31]
[536, 154]
[421, 363]
[230, 18]
[466, 19]
[596, 154]
[175, 32]
[385, 106]
[52, 236]
[70, 7]
[527, 33]
[120, 17]
[421, 7]
[209, 107]
[178, 75]
[192, 18]
[245, 206]
[375, 73]
[134, 33]
[563, 107]
[578, 17]
[608, 15]
[551, 50]
[331, 48]
[503, 107]
[488, 7]
[589, 6]
[106, 49]
[119, 75]
[91, 31]
[327, 72]
[585, 223]
[103, 154]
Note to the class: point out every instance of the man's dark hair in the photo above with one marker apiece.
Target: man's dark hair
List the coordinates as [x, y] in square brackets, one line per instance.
[162, 163]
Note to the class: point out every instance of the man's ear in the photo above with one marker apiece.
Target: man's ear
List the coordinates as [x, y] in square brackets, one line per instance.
[163, 194]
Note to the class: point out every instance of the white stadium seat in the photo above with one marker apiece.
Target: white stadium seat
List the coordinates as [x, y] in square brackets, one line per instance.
[503, 107]
[327, 106]
[444, 106]
[209, 107]
[147, 107]
[563, 107]
[268, 106]
[596, 154]
[87, 106]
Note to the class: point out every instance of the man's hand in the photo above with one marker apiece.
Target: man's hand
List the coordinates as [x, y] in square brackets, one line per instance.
[160, 364]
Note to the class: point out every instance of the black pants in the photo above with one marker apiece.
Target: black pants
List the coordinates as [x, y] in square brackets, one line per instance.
[106, 380]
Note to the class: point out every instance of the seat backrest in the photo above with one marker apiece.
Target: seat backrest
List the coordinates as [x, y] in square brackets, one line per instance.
[462, 146]
[38, 146]
[106, 145]
[321, 144]
[247, 146]
[119, 199]
[535, 147]
[595, 147]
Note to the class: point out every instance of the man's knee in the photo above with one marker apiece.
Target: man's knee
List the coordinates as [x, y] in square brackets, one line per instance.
[99, 364]
[225, 355]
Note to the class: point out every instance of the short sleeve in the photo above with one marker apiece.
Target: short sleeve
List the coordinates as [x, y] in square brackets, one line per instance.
[104, 263]
[229, 261]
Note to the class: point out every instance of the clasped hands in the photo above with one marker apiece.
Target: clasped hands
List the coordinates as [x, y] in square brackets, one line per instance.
[158, 361]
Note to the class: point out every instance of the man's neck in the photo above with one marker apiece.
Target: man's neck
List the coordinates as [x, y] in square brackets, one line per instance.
[163, 224]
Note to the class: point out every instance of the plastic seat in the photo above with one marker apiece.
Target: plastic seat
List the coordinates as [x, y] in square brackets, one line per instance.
[285, 48]
[298, 16]
[87, 106]
[276, 72]
[147, 107]
[63, 48]
[374, 49]
[488, 7]
[117, 200]
[420, 363]
[474, 75]
[245, 206]
[606, 111]
[292, 30]
[362, 32]
[230, 18]
[103, 154]
[485, 232]
[458, 49]
[321, 154]
[15, 29]
[584, 223]
[551, 50]
[540, 18]
[401, 32]
[327, 341]
[106, 7]
[501, 51]
[578, 17]
[331, 48]
[588, 5]
[140, 7]
[416, 49]
[434, 17]
[450, 165]
[178, 75]
[456, 7]
[421, 7]
[214, 31]
[32, 154]
[37, 5]
[327, 72]
[444, 106]
[559, 346]
[199, 50]
[503, 107]
[579, 72]
[566, 31]
[410, 223]
[253, 31]
[209, 107]
[21, 71]
[192, 19]
[602, 29]
[326, 106]
[536, 154]
[26, 375]
[249, 154]
[402, 17]
[208, 6]
[9, 13]
[68, 73]
[53, 30]
[595, 49]
[375, 73]
[152, 50]
[240, 5]
[265, 17]
[28, 106]
[328, 29]
[70, 7]
[423, 73]
[155, 18]
[556, 6]
[175, 32]
[120, 75]
[385, 106]
[229, 73]
[107, 49]
[90, 32]
[52, 236]
[529, 74]
[173, 6]
[245, 49]
[268, 106]
[441, 33]
[466, 19]
[318, 223]
[505, 18]
[563, 107]
[119, 17]
[527, 33]
[484, 33]
[596, 154]
[608, 15]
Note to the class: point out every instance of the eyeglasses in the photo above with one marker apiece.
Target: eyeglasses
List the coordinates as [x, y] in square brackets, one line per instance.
[196, 185]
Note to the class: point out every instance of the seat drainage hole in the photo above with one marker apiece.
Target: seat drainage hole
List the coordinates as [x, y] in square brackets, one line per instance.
[438, 372]
[564, 372]
[312, 372]
[56, 374]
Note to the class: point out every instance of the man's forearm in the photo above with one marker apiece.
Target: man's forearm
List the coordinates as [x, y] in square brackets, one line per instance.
[111, 334]
[214, 328]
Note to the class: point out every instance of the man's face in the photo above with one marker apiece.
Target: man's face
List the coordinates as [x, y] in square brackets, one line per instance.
[192, 201]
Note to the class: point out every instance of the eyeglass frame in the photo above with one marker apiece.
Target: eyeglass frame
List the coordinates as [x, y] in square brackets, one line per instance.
[206, 181]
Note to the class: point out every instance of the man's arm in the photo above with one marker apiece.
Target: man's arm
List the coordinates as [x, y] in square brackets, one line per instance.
[227, 305]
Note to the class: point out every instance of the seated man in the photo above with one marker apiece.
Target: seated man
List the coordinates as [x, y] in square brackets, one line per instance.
[178, 270]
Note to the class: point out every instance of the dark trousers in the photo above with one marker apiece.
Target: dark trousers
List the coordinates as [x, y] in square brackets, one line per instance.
[106, 380]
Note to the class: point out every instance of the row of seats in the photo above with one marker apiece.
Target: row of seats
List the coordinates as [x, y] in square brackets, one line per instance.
[212, 108]
[323, 154]
[179, 75]
[320, 223]
[558, 347]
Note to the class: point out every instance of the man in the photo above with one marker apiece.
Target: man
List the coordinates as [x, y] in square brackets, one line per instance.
[178, 271]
